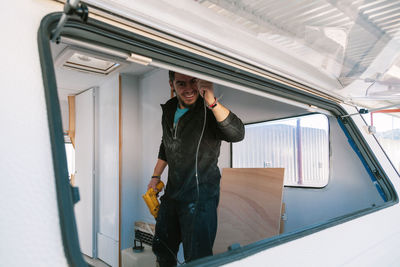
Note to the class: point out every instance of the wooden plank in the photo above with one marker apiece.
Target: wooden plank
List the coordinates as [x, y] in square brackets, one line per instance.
[72, 180]
[71, 119]
[250, 206]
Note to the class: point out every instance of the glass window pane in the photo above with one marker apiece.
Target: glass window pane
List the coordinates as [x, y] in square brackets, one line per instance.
[300, 145]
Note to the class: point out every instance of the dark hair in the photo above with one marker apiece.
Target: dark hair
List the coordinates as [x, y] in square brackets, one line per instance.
[171, 75]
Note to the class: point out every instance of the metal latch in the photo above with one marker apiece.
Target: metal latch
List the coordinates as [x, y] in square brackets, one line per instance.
[234, 246]
[75, 194]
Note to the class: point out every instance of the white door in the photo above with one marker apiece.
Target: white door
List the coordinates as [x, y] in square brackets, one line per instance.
[84, 165]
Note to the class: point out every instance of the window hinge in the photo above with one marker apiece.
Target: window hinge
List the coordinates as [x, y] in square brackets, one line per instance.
[376, 174]
[71, 7]
[344, 120]
[139, 59]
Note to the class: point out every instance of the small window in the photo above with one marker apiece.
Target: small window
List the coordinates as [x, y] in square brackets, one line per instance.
[70, 151]
[300, 145]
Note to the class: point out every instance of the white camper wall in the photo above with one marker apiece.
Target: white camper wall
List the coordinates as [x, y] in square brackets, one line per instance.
[28, 208]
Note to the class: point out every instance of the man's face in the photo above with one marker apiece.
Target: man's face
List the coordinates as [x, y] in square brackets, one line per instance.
[186, 89]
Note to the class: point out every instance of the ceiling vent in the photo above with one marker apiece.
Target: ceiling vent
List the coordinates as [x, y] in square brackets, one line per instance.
[79, 59]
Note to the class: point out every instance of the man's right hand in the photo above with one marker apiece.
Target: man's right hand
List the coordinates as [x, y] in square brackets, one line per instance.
[153, 183]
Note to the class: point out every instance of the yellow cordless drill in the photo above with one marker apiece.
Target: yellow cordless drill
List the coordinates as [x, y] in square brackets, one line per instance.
[151, 199]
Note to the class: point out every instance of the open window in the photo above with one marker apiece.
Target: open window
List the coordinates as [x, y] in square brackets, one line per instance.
[118, 131]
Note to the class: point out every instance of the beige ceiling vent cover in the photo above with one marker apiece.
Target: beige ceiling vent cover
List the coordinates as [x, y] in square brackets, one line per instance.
[86, 61]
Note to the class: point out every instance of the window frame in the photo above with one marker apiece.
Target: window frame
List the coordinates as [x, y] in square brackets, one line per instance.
[111, 36]
[380, 145]
[293, 117]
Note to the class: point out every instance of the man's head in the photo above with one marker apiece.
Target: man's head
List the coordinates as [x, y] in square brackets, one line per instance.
[185, 88]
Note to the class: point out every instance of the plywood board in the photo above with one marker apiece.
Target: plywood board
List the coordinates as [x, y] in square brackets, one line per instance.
[250, 206]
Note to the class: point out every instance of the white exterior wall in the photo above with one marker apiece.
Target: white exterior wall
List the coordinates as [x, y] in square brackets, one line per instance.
[29, 225]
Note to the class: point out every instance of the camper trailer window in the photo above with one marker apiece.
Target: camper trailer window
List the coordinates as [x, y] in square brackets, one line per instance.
[299, 144]
[118, 110]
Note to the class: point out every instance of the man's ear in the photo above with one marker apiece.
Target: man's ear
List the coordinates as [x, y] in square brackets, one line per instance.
[171, 85]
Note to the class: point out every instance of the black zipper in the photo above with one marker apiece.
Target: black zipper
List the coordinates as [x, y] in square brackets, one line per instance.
[175, 130]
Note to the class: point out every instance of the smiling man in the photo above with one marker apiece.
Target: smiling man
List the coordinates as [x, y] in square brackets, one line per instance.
[186, 90]
[193, 123]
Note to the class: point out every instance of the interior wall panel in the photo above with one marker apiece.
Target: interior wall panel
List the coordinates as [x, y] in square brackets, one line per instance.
[154, 90]
[349, 188]
[107, 163]
[131, 159]
[84, 178]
